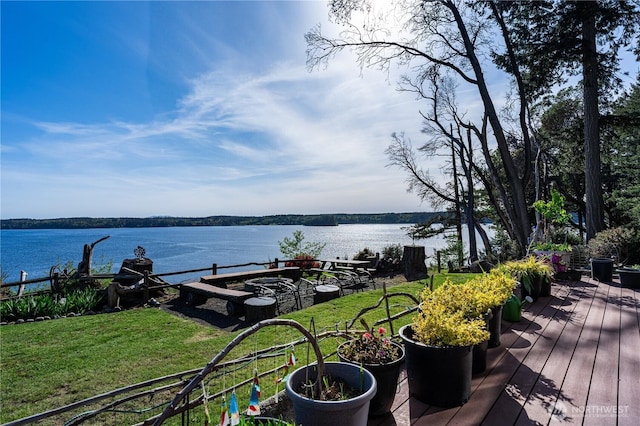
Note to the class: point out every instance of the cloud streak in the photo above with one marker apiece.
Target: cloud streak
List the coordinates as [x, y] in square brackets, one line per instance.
[259, 139]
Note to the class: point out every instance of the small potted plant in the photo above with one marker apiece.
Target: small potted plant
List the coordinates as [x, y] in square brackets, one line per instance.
[531, 272]
[551, 214]
[438, 346]
[630, 276]
[380, 356]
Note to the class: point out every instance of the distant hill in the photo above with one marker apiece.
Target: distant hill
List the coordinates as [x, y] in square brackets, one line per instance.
[154, 222]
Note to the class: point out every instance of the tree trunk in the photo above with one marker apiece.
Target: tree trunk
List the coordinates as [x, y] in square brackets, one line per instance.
[593, 186]
[413, 263]
[473, 246]
[457, 203]
[515, 205]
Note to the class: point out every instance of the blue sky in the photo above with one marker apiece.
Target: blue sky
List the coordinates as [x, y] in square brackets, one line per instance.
[190, 109]
[193, 109]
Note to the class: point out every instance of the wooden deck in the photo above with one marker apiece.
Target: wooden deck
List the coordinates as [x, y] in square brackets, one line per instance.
[573, 359]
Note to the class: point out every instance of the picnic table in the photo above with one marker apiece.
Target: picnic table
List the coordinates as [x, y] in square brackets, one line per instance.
[335, 264]
[355, 268]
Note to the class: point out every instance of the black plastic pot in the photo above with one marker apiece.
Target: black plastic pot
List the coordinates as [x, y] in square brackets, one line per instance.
[386, 379]
[602, 269]
[629, 277]
[479, 357]
[348, 412]
[545, 285]
[437, 375]
[535, 287]
[494, 325]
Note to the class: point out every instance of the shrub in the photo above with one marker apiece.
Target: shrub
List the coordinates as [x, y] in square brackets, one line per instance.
[297, 246]
[621, 243]
[303, 262]
[49, 305]
[436, 325]
[393, 253]
[364, 254]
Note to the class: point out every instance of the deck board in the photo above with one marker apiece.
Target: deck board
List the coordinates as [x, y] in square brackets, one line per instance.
[629, 381]
[603, 390]
[573, 359]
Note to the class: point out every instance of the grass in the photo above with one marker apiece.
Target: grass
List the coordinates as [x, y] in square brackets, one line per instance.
[53, 363]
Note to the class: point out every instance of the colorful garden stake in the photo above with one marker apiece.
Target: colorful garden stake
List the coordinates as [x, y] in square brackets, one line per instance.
[224, 413]
[233, 409]
[254, 402]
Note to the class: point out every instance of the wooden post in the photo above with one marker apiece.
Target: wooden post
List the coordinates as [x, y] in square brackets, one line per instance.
[438, 257]
[214, 269]
[23, 277]
[413, 262]
[145, 291]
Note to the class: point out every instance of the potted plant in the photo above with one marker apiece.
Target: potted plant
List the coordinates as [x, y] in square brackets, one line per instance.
[438, 349]
[342, 397]
[380, 356]
[493, 289]
[531, 272]
[551, 214]
[630, 276]
[614, 245]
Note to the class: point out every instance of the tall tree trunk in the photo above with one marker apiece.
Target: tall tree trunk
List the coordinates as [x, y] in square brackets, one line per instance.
[592, 164]
[516, 204]
[457, 203]
[473, 246]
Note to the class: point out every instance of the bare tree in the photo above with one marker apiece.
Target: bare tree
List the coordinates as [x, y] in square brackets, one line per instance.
[435, 37]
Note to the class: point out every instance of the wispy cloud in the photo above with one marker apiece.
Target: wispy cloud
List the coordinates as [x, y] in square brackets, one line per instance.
[242, 138]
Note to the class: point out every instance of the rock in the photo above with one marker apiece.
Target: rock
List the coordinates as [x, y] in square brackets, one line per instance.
[480, 266]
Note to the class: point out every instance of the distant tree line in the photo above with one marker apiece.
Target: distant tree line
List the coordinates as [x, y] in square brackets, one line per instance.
[152, 222]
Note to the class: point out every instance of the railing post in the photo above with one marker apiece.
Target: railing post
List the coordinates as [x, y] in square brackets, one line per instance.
[23, 277]
[275, 262]
[145, 291]
[214, 269]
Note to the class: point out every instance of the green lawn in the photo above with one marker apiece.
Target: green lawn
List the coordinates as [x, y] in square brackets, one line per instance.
[53, 363]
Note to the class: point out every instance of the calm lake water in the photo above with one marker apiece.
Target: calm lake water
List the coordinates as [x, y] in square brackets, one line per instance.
[183, 248]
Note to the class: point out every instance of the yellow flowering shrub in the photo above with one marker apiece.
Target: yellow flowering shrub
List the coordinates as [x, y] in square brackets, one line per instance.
[493, 289]
[453, 314]
[436, 325]
[525, 270]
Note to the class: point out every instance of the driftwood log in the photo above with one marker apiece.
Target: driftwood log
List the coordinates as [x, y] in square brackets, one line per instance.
[413, 258]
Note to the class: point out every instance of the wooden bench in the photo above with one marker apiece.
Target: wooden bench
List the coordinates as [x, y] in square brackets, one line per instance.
[197, 293]
[221, 280]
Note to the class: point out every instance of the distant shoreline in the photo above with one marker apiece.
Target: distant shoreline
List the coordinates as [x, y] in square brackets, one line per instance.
[158, 222]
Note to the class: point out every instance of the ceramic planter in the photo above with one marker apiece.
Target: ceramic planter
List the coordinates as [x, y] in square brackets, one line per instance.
[629, 277]
[348, 412]
[437, 375]
[386, 379]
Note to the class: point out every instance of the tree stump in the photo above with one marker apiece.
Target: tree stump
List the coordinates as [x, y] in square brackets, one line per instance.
[413, 258]
[259, 308]
[325, 292]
